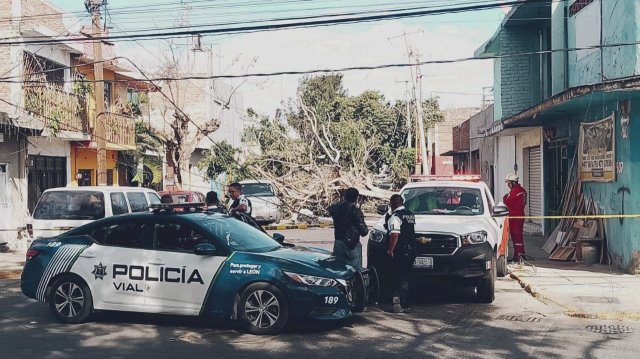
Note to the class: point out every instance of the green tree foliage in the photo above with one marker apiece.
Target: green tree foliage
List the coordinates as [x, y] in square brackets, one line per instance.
[327, 126]
[222, 158]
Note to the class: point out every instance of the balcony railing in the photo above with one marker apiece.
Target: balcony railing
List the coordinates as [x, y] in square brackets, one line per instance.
[120, 129]
[58, 110]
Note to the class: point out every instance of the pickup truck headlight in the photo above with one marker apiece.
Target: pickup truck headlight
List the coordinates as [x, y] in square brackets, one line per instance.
[376, 236]
[311, 280]
[474, 238]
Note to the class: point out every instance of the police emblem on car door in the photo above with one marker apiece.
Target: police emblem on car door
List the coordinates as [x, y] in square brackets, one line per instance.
[116, 266]
[184, 277]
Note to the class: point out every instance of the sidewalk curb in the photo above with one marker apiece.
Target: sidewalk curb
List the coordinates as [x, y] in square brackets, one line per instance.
[11, 274]
[572, 311]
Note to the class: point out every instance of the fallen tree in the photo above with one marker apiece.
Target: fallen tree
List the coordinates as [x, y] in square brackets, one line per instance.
[325, 141]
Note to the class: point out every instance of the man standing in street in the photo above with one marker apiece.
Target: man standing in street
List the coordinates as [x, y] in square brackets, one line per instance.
[240, 204]
[516, 201]
[212, 203]
[401, 250]
[349, 226]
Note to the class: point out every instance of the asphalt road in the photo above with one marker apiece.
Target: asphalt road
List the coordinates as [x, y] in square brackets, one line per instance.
[445, 324]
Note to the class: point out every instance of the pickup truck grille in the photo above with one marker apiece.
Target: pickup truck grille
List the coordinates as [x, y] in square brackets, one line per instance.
[348, 291]
[431, 243]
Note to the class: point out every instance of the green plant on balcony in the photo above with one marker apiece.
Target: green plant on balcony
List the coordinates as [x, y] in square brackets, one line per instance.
[33, 103]
[54, 122]
[82, 87]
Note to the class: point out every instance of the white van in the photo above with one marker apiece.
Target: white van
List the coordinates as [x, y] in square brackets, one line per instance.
[64, 208]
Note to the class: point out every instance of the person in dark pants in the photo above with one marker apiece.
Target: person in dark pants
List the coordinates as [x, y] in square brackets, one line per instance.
[401, 250]
[348, 221]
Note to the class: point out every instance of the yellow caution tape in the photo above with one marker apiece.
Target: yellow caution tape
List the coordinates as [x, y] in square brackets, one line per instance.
[295, 226]
[592, 216]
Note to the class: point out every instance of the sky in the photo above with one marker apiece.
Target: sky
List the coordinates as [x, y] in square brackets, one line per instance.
[439, 37]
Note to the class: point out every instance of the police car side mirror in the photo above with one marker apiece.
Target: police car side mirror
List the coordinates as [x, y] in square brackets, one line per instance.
[500, 210]
[381, 209]
[278, 237]
[204, 249]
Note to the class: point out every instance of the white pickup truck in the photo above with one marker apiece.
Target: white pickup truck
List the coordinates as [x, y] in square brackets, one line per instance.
[459, 233]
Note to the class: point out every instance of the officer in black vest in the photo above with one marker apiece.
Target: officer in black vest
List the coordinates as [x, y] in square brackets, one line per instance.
[401, 250]
[240, 204]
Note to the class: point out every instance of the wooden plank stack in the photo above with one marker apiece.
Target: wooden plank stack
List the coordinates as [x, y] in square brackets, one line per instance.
[571, 234]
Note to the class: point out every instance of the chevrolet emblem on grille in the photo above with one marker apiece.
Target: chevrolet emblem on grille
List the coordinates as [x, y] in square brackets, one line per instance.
[424, 240]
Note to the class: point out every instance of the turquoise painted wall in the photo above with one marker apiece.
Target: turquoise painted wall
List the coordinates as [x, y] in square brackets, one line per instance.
[623, 239]
[497, 90]
[619, 21]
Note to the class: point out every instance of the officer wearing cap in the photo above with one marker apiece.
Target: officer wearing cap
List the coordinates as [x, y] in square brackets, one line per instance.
[401, 251]
[516, 201]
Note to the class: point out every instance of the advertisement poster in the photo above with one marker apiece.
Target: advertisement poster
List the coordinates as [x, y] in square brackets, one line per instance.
[597, 151]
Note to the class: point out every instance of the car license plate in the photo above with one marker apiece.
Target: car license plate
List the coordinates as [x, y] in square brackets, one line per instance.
[423, 262]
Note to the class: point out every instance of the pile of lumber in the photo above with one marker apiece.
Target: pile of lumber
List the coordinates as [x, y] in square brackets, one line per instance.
[572, 234]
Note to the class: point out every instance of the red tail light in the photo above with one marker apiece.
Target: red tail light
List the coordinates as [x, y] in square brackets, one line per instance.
[30, 230]
[32, 253]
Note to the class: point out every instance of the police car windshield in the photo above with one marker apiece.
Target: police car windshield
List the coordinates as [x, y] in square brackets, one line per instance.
[238, 235]
[455, 201]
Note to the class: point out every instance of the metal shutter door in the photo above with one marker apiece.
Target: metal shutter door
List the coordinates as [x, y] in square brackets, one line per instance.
[535, 183]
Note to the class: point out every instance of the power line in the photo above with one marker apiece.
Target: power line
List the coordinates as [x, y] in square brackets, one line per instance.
[279, 26]
[343, 69]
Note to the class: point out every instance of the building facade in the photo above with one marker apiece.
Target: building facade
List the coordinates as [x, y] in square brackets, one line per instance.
[582, 67]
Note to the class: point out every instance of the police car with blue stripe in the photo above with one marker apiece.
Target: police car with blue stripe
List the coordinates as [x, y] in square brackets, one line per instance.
[190, 263]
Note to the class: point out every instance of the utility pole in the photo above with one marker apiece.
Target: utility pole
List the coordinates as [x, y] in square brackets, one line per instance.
[420, 135]
[93, 7]
[408, 109]
[423, 140]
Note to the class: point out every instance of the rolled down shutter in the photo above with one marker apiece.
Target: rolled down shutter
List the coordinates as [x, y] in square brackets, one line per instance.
[534, 200]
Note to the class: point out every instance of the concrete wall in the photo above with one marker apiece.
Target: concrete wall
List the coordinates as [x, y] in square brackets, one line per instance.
[558, 41]
[14, 213]
[505, 158]
[623, 238]
[619, 25]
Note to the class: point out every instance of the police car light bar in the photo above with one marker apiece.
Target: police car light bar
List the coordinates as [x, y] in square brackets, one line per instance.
[171, 207]
[467, 178]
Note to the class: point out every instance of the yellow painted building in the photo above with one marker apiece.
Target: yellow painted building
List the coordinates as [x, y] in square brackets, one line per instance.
[121, 113]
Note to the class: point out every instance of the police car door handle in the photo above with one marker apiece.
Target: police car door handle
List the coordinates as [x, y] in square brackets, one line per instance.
[87, 255]
[156, 262]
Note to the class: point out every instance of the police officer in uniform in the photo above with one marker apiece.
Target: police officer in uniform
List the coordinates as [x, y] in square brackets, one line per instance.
[401, 250]
[240, 204]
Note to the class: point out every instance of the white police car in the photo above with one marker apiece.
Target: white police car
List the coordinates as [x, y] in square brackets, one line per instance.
[189, 263]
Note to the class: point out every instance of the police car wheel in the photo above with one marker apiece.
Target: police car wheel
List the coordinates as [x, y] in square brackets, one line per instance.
[70, 300]
[263, 309]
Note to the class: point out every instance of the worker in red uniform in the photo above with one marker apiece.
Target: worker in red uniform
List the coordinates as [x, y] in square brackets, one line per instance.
[516, 201]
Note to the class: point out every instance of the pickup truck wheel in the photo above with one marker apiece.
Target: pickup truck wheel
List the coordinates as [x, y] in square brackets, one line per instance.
[487, 288]
[502, 266]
